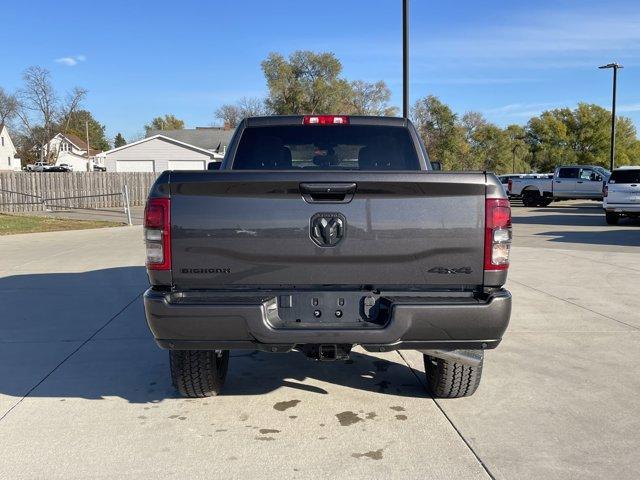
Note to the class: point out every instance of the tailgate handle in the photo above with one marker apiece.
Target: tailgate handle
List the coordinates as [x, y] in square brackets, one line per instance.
[327, 192]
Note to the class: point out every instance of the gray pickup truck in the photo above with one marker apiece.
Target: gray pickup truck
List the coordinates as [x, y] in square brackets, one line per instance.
[319, 233]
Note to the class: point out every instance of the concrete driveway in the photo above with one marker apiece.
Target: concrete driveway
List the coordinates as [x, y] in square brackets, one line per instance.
[85, 393]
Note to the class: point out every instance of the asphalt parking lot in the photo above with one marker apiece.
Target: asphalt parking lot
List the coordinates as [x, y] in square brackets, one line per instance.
[85, 392]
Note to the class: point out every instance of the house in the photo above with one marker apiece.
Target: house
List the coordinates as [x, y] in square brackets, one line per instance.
[214, 139]
[66, 148]
[188, 149]
[157, 154]
[8, 160]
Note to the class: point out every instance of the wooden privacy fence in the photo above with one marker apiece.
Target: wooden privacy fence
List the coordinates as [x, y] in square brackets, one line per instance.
[37, 191]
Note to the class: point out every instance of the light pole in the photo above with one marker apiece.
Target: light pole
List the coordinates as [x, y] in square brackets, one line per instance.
[405, 58]
[615, 67]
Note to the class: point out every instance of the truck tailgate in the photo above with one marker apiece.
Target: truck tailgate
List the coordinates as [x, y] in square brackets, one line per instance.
[248, 228]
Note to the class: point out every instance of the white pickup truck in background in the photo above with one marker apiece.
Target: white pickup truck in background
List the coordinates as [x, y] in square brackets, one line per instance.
[622, 194]
[568, 182]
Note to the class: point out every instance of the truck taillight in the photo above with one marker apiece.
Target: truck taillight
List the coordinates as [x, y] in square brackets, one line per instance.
[510, 185]
[157, 233]
[325, 120]
[605, 191]
[497, 240]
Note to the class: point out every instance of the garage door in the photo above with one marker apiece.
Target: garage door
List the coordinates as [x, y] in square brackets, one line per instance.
[186, 165]
[134, 165]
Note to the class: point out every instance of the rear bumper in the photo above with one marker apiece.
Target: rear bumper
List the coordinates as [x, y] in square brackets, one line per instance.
[243, 323]
[622, 207]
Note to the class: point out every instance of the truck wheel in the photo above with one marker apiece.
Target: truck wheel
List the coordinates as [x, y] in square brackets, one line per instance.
[612, 218]
[544, 202]
[530, 198]
[198, 373]
[447, 379]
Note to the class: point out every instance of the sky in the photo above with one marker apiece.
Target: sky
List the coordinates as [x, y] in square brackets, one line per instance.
[509, 60]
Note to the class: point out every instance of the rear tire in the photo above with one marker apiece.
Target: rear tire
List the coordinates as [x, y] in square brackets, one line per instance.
[447, 379]
[612, 218]
[198, 373]
[530, 198]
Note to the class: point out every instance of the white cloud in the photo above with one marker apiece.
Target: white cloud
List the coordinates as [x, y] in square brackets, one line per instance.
[522, 110]
[551, 39]
[630, 107]
[71, 61]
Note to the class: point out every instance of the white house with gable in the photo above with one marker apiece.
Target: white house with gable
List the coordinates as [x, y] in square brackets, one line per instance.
[8, 160]
[68, 149]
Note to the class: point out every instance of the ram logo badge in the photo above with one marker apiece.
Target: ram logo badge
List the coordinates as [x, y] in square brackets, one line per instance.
[327, 229]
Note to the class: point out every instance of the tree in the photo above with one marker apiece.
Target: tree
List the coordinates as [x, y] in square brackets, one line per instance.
[581, 135]
[75, 123]
[119, 141]
[8, 106]
[229, 114]
[168, 122]
[40, 109]
[443, 136]
[232, 114]
[370, 99]
[306, 83]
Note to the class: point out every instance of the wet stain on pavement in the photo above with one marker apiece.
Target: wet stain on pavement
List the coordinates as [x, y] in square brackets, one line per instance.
[371, 415]
[173, 416]
[401, 417]
[374, 455]
[348, 418]
[265, 439]
[268, 430]
[282, 406]
[293, 416]
[397, 408]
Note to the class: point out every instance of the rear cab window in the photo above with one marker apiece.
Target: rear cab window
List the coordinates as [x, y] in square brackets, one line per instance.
[322, 147]
[569, 173]
[625, 176]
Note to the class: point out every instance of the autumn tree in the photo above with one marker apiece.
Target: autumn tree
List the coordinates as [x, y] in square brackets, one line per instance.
[305, 83]
[167, 122]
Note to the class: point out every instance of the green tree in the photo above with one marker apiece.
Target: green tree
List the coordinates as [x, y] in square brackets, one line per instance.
[168, 122]
[119, 141]
[518, 148]
[581, 135]
[443, 136]
[370, 99]
[74, 123]
[306, 83]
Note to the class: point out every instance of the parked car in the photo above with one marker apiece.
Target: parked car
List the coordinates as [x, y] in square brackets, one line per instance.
[99, 168]
[56, 168]
[622, 194]
[319, 233]
[67, 167]
[37, 167]
[568, 182]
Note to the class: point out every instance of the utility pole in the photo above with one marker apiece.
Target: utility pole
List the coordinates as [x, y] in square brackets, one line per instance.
[615, 66]
[405, 58]
[86, 124]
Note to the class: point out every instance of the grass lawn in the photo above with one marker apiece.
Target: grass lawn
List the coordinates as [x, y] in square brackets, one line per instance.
[12, 224]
